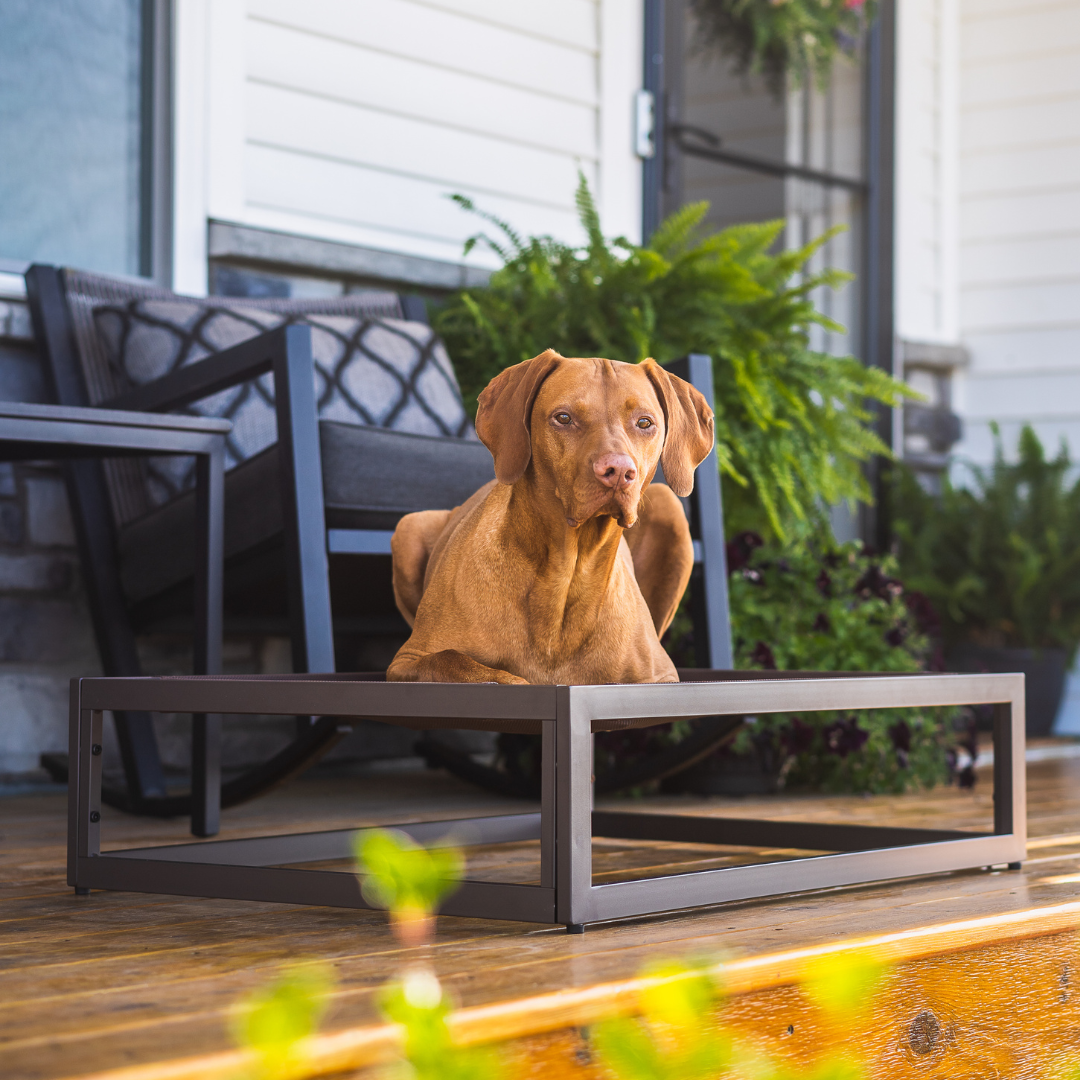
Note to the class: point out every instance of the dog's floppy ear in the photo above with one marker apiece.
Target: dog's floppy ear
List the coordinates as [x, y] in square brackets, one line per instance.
[502, 421]
[689, 421]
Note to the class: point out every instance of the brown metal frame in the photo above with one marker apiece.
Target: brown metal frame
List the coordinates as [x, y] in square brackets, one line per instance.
[566, 717]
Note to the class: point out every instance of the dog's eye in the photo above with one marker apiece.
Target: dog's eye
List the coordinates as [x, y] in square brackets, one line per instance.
[562, 418]
[644, 423]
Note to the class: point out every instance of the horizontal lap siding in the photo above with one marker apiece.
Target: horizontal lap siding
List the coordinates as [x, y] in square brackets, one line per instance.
[1020, 220]
[925, 187]
[360, 118]
[368, 206]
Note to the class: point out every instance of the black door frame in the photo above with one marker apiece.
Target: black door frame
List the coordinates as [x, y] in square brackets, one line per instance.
[877, 277]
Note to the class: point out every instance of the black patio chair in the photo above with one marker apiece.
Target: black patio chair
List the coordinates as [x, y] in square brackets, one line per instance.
[346, 415]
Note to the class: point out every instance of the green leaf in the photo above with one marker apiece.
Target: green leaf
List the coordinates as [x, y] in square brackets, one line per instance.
[418, 1003]
[997, 551]
[794, 426]
[401, 875]
[275, 1020]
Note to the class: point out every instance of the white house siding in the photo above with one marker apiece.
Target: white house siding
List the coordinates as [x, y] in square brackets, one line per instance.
[927, 159]
[1020, 219]
[353, 120]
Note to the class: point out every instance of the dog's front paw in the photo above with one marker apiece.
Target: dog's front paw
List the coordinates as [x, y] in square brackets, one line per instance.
[504, 678]
[448, 665]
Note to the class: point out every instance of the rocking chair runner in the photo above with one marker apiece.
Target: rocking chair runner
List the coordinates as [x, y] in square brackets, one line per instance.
[346, 415]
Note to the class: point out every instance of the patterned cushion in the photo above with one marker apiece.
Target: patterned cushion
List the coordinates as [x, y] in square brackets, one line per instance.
[379, 372]
[371, 476]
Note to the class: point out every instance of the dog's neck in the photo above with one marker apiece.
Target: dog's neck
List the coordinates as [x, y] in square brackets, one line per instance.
[574, 567]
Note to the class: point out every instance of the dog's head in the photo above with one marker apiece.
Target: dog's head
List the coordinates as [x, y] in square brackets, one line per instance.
[594, 431]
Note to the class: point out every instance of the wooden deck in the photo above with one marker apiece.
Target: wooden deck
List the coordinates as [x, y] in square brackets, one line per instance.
[122, 979]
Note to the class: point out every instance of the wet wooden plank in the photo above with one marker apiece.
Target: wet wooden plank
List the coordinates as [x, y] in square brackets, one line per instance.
[118, 979]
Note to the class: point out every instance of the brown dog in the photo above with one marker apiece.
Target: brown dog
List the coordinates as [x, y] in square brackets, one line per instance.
[532, 580]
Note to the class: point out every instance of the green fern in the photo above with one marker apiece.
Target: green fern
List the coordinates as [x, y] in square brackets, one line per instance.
[794, 426]
[999, 559]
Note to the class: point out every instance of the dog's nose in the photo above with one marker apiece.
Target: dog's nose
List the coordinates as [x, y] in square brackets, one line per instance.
[615, 470]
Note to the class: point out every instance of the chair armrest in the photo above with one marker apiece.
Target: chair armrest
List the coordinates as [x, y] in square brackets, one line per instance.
[192, 382]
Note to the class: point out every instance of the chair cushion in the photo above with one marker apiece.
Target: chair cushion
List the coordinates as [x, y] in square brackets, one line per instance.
[372, 371]
[371, 477]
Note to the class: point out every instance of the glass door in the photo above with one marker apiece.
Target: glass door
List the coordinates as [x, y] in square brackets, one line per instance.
[816, 156]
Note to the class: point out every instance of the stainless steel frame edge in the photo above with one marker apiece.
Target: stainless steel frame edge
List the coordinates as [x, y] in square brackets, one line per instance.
[1010, 772]
[84, 788]
[454, 704]
[651, 701]
[646, 896]
[74, 706]
[317, 888]
[573, 806]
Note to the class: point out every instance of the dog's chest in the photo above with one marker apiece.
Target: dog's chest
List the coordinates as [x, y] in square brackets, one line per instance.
[597, 629]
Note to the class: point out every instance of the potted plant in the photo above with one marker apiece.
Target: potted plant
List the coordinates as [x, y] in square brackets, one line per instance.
[794, 427]
[820, 606]
[782, 39]
[998, 554]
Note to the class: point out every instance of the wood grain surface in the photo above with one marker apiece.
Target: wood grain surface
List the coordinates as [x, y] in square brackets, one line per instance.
[122, 980]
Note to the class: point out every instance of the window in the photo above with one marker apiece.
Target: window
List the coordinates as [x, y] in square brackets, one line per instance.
[78, 110]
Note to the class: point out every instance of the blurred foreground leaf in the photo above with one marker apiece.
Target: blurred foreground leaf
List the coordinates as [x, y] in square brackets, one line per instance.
[407, 879]
[275, 1020]
[843, 986]
[677, 1036]
[417, 1002]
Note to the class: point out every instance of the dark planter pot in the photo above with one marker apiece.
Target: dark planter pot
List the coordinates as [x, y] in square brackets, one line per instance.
[1044, 671]
[753, 773]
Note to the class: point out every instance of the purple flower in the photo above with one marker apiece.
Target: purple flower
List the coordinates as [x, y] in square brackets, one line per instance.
[740, 549]
[900, 734]
[875, 584]
[762, 657]
[797, 737]
[923, 612]
[844, 737]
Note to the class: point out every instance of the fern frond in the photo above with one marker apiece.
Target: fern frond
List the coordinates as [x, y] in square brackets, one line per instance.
[794, 426]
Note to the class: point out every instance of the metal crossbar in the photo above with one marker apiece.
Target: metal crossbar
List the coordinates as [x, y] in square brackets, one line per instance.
[270, 868]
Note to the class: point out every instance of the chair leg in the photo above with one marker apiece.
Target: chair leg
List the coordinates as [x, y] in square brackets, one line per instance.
[95, 532]
[709, 591]
[112, 628]
[711, 599]
[300, 463]
[206, 729]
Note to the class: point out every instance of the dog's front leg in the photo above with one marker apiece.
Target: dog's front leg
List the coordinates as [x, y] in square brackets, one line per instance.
[450, 666]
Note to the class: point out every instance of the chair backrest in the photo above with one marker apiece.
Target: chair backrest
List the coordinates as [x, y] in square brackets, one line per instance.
[373, 366]
[102, 335]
